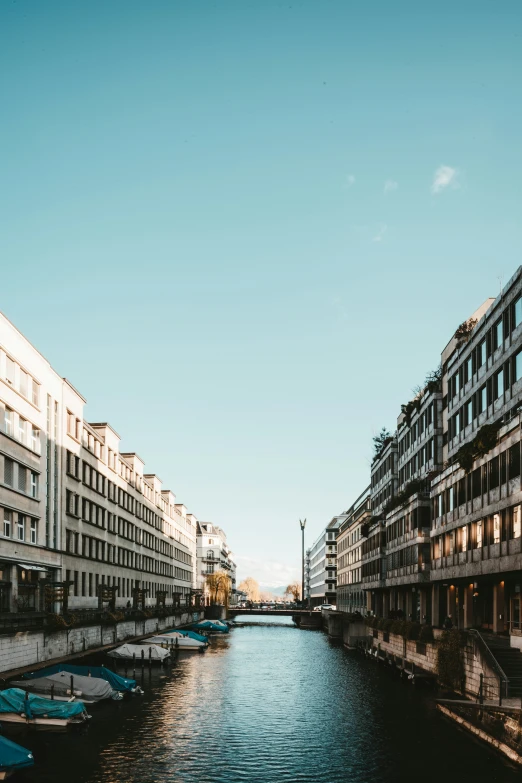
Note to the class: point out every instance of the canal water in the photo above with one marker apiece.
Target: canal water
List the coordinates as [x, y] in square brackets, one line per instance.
[266, 704]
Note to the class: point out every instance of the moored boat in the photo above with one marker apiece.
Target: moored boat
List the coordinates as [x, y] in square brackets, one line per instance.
[133, 652]
[182, 640]
[62, 685]
[18, 706]
[117, 683]
[13, 757]
[210, 626]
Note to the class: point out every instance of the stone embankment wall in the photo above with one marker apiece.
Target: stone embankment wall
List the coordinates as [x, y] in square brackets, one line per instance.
[29, 648]
[425, 657]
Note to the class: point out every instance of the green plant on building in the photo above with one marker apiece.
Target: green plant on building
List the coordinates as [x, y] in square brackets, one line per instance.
[450, 664]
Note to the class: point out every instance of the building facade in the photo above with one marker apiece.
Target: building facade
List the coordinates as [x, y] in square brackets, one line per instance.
[213, 555]
[351, 533]
[72, 507]
[321, 566]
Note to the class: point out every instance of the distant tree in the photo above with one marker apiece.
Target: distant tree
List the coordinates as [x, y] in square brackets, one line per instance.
[294, 590]
[219, 586]
[265, 596]
[379, 441]
[251, 588]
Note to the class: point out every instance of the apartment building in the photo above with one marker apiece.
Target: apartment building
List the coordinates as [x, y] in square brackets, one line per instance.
[476, 557]
[72, 507]
[214, 554]
[321, 567]
[31, 399]
[407, 517]
[351, 533]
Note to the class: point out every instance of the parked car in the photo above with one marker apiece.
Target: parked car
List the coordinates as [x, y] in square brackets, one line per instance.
[324, 606]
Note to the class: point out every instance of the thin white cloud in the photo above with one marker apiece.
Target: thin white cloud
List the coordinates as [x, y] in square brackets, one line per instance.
[390, 185]
[379, 236]
[350, 180]
[444, 177]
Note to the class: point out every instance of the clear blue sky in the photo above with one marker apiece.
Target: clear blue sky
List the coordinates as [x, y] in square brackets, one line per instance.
[197, 231]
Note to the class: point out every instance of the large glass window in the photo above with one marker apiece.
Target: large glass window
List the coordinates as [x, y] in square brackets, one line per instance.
[33, 531]
[499, 383]
[8, 523]
[8, 421]
[479, 534]
[483, 399]
[498, 334]
[518, 366]
[516, 522]
[469, 369]
[517, 312]
[21, 527]
[481, 354]
[496, 528]
[21, 429]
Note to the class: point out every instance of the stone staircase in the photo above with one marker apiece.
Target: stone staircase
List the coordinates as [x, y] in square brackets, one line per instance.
[509, 659]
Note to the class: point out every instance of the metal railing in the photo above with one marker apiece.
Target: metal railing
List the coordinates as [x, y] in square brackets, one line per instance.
[503, 681]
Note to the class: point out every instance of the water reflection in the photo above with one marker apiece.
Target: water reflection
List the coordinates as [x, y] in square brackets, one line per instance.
[266, 704]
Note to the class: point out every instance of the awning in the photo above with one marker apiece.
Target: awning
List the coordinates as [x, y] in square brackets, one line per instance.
[27, 567]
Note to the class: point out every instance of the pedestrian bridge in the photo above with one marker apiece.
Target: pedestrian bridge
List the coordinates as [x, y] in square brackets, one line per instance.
[276, 612]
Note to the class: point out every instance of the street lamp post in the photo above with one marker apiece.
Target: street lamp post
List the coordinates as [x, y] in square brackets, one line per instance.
[302, 522]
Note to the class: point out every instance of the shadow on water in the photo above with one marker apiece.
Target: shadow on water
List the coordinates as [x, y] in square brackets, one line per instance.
[265, 704]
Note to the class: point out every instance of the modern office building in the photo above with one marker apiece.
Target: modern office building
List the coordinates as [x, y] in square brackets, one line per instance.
[321, 565]
[351, 533]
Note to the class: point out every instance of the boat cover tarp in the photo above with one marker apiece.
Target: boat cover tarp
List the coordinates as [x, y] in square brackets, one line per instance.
[117, 683]
[128, 650]
[182, 641]
[89, 688]
[208, 625]
[190, 634]
[14, 700]
[13, 756]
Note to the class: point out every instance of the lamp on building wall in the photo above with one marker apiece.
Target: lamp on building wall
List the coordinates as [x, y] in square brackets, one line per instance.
[302, 523]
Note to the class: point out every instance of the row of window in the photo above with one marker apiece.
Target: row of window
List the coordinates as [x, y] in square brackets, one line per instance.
[418, 519]
[19, 526]
[490, 476]
[504, 526]
[20, 380]
[417, 462]
[494, 339]
[415, 555]
[19, 477]
[17, 427]
[97, 549]
[86, 584]
[374, 568]
[415, 432]
[389, 464]
[492, 390]
[382, 497]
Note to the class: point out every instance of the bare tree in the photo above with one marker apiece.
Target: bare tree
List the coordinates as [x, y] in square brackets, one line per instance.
[219, 585]
[251, 588]
[294, 590]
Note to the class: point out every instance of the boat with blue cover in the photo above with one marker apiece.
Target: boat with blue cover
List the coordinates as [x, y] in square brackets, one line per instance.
[18, 706]
[117, 683]
[181, 640]
[211, 626]
[63, 685]
[13, 757]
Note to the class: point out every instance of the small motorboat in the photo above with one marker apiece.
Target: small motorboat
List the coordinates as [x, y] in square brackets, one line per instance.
[62, 685]
[211, 627]
[18, 706]
[117, 683]
[180, 640]
[140, 652]
[13, 757]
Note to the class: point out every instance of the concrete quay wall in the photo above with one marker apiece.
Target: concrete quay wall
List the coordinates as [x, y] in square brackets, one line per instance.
[24, 649]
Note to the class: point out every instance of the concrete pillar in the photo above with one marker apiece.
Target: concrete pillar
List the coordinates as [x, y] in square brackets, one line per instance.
[423, 605]
[498, 608]
[435, 618]
[14, 588]
[468, 606]
[386, 605]
[451, 604]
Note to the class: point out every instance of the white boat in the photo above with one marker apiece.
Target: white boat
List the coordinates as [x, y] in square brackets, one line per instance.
[178, 640]
[133, 652]
[62, 685]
